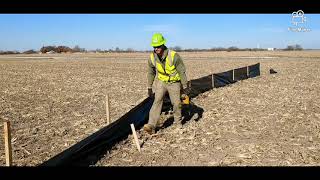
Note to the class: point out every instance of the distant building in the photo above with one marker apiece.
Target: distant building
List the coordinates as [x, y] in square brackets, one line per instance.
[271, 49]
[51, 52]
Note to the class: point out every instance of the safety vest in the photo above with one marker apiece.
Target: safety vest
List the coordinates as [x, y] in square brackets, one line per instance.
[169, 73]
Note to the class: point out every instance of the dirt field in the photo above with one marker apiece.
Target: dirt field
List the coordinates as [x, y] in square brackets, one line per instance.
[54, 101]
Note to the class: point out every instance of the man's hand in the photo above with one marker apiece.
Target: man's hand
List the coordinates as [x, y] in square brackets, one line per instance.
[185, 99]
[150, 93]
[185, 94]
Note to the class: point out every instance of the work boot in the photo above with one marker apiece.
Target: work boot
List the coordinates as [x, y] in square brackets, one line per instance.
[149, 129]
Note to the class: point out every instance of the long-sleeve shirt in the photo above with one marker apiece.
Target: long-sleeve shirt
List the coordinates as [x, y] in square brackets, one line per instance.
[178, 63]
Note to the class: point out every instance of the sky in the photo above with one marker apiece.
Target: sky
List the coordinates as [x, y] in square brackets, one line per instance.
[23, 32]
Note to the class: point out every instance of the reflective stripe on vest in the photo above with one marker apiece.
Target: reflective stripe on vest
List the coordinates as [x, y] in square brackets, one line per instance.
[169, 73]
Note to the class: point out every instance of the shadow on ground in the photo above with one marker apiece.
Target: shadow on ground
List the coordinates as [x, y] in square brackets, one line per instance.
[189, 112]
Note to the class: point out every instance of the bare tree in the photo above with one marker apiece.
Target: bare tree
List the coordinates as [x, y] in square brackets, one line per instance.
[177, 48]
[76, 49]
[130, 50]
[233, 48]
[31, 51]
[118, 49]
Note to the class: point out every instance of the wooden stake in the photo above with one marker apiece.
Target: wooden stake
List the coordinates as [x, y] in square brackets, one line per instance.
[248, 71]
[212, 80]
[108, 109]
[135, 137]
[232, 74]
[7, 143]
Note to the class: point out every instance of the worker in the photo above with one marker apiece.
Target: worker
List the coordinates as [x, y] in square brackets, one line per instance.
[168, 73]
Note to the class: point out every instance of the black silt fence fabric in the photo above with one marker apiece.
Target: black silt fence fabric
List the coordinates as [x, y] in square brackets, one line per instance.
[240, 74]
[223, 79]
[254, 70]
[91, 149]
[200, 85]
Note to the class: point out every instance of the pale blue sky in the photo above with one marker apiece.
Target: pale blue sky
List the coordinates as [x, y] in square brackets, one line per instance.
[91, 31]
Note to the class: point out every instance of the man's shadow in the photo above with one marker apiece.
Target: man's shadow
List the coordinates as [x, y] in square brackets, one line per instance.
[188, 112]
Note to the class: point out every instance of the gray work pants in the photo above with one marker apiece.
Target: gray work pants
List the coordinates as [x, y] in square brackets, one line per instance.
[174, 92]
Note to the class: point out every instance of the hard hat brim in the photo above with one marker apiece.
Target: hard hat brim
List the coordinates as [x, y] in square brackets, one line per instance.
[158, 44]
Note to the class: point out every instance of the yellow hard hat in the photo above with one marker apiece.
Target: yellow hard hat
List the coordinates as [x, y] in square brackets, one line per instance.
[157, 40]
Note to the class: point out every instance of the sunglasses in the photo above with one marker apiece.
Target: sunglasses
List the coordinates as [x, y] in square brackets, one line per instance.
[157, 47]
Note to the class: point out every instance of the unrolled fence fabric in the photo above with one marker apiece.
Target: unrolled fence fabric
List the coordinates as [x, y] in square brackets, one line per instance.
[89, 150]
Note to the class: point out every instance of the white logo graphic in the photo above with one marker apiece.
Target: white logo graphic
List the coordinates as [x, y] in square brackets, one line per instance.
[298, 17]
[298, 20]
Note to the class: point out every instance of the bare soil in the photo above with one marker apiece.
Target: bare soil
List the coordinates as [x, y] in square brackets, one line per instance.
[54, 101]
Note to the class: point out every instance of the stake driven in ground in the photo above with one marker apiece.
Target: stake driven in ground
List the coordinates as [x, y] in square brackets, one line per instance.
[232, 74]
[135, 137]
[247, 71]
[7, 143]
[212, 80]
[108, 109]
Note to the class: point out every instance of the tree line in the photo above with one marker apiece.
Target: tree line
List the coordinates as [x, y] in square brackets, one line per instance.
[66, 49]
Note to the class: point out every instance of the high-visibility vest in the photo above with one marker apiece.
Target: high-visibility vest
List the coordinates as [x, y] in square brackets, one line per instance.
[169, 73]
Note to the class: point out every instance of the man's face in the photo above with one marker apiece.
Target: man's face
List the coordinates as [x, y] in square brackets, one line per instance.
[158, 50]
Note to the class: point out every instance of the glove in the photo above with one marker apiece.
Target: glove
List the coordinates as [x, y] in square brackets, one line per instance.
[185, 99]
[150, 93]
[185, 95]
